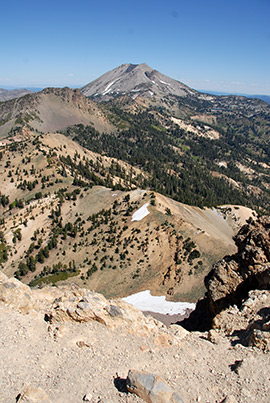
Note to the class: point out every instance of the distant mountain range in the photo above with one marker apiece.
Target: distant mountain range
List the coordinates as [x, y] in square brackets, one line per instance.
[142, 80]
[6, 95]
[265, 98]
[131, 82]
[134, 79]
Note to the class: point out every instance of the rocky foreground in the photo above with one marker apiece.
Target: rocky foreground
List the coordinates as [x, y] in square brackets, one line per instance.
[67, 344]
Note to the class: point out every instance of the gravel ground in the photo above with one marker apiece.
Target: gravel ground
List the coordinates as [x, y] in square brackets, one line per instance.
[71, 360]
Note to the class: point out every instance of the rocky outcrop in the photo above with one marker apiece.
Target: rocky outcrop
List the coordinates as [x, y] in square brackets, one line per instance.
[69, 303]
[231, 278]
[230, 281]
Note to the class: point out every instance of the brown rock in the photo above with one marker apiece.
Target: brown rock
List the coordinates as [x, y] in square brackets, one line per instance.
[163, 340]
[260, 339]
[213, 336]
[82, 344]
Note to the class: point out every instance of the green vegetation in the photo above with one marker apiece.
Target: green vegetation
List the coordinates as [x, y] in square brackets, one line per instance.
[3, 249]
[4, 200]
[58, 272]
[183, 176]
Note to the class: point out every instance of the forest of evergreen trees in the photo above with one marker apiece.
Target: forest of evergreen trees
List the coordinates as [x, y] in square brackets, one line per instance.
[177, 164]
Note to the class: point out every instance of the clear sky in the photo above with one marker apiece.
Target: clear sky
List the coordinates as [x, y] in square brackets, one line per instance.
[220, 45]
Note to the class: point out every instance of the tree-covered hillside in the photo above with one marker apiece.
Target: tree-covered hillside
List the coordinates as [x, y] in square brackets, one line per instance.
[189, 168]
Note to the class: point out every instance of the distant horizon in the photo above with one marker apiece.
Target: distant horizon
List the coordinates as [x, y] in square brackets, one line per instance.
[42, 87]
[209, 45]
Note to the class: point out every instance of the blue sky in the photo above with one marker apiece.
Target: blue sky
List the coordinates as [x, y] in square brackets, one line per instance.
[220, 45]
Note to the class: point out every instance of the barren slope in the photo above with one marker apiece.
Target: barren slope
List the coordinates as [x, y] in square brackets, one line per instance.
[136, 79]
[52, 109]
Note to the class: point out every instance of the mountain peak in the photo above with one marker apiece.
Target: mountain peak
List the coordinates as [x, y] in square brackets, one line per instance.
[134, 80]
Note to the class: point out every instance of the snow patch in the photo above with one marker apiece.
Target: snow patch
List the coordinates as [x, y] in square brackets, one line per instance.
[107, 89]
[163, 82]
[141, 213]
[146, 302]
[222, 164]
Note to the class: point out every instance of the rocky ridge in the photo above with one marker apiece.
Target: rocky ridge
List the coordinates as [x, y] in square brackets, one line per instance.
[52, 109]
[237, 301]
[6, 95]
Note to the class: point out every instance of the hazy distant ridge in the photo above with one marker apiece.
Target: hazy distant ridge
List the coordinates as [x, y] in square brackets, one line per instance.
[6, 95]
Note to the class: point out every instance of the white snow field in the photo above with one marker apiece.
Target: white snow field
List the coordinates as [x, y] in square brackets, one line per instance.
[146, 302]
[141, 213]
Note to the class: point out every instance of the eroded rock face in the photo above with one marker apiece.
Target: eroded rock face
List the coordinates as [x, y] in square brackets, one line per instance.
[230, 281]
[232, 277]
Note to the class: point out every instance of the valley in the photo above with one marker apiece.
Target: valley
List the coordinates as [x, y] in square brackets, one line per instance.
[76, 165]
[59, 224]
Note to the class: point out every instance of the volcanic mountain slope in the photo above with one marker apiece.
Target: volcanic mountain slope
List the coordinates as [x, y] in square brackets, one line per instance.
[6, 95]
[50, 110]
[136, 80]
[68, 212]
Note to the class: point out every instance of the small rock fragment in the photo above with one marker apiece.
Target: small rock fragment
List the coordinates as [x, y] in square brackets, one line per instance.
[33, 395]
[113, 310]
[260, 340]
[88, 397]
[151, 388]
[213, 336]
[82, 343]
[229, 399]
